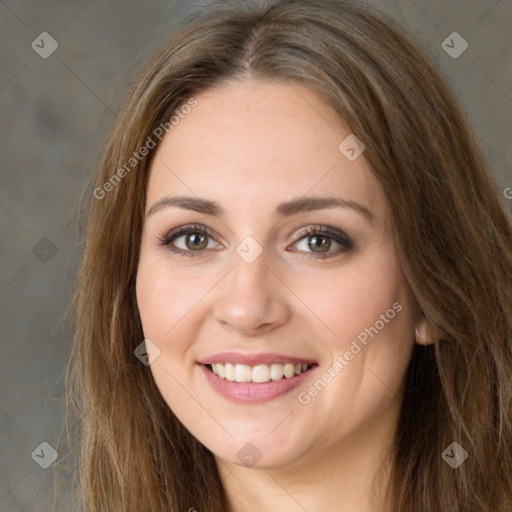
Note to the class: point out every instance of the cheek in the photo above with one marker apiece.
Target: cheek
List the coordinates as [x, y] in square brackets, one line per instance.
[372, 351]
[353, 298]
[163, 303]
[164, 298]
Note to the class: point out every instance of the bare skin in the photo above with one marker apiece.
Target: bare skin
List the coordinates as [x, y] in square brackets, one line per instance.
[249, 146]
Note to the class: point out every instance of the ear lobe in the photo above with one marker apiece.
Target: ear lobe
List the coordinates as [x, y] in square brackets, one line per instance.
[425, 334]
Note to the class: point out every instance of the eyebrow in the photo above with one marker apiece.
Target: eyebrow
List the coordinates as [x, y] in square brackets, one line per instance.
[286, 209]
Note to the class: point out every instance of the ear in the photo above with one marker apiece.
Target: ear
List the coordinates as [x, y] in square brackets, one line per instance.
[426, 334]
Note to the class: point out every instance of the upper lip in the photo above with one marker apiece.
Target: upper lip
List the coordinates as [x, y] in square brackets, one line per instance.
[254, 359]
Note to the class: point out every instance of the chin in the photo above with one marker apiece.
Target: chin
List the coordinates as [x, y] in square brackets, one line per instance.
[260, 454]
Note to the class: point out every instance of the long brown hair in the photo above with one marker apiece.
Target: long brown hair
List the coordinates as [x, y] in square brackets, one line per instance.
[454, 242]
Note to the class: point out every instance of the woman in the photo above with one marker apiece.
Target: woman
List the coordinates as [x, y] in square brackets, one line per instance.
[297, 279]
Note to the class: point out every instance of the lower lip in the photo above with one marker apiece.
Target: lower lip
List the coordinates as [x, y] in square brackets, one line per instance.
[253, 392]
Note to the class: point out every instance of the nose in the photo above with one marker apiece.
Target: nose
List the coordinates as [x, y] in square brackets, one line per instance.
[252, 300]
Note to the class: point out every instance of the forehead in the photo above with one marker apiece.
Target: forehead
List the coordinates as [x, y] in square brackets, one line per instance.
[256, 143]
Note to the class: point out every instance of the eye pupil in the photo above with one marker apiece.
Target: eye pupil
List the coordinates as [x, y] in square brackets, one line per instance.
[198, 241]
[326, 243]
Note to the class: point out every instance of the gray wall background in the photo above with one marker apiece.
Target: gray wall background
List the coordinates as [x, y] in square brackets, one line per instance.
[55, 113]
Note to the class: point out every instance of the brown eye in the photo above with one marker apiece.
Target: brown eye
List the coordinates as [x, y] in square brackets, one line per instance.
[319, 242]
[196, 241]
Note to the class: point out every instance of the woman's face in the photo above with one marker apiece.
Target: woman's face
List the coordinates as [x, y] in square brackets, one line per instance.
[258, 294]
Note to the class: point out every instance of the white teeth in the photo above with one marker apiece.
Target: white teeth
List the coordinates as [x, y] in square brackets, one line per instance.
[289, 370]
[259, 373]
[243, 373]
[229, 370]
[276, 371]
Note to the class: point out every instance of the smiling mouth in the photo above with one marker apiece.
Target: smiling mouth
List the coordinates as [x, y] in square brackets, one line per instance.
[260, 373]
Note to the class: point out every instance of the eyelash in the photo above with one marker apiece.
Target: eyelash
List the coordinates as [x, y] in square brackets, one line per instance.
[338, 236]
